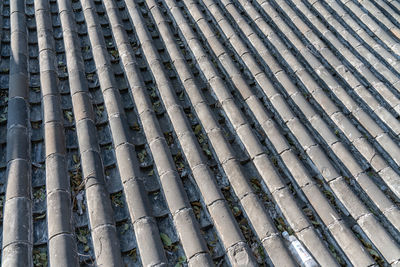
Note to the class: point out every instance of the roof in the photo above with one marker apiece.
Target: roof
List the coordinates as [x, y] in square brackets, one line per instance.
[185, 132]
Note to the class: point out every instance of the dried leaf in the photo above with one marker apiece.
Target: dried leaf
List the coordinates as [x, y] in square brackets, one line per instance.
[69, 116]
[75, 158]
[236, 211]
[256, 184]
[133, 254]
[99, 110]
[196, 204]
[197, 129]
[115, 54]
[82, 239]
[182, 96]
[136, 127]
[40, 217]
[315, 223]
